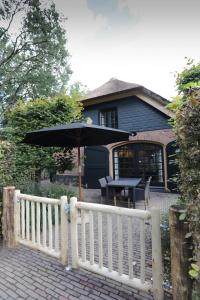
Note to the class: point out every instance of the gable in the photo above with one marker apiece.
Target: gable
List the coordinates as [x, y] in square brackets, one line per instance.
[134, 114]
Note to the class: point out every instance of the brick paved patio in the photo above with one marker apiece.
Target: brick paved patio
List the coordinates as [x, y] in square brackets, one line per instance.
[28, 274]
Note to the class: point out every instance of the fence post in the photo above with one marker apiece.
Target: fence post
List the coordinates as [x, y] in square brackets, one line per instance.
[180, 254]
[16, 216]
[64, 230]
[157, 271]
[74, 234]
[8, 217]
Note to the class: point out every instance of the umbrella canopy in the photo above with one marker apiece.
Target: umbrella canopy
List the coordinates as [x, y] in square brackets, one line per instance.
[76, 135]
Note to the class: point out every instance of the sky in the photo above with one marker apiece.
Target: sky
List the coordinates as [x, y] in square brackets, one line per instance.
[140, 41]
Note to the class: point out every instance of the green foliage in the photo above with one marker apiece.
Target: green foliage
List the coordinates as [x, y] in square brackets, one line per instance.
[33, 59]
[50, 190]
[36, 114]
[187, 130]
[186, 124]
[175, 104]
[183, 214]
[194, 271]
[9, 174]
[7, 161]
[188, 78]
[77, 90]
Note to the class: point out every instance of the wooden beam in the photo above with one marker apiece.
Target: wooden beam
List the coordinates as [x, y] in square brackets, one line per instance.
[180, 254]
[8, 217]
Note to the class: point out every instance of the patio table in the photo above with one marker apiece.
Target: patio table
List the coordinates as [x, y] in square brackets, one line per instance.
[124, 183]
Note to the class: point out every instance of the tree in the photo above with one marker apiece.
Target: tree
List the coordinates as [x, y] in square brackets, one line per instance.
[188, 78]
[77, 90]
[36, 114]
[33, 60]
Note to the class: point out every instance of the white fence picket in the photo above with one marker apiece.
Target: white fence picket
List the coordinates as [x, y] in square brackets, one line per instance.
[44, 224]
[83, 246]
[130, 248]
[33, 222]
[109, 228]
[100, 242]
[38, 222]
[64, 229]
[74, 233]
[120, 246]
[50, 226]
[29, 218]
[157, 272]
[56, 228]
[23, 219]
[142, 251]
[91, 237]
[17, 215]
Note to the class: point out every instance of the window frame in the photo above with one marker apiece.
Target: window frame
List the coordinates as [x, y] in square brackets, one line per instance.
[136, 148]
[107, 110]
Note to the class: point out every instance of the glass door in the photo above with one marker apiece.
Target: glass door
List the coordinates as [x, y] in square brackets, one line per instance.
[139, 160]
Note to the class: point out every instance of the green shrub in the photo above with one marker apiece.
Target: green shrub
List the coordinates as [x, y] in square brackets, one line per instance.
[187, 130]
[50, 190]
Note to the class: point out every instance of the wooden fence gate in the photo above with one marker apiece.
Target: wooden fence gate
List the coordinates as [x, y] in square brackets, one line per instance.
[99, 241]
[41, 223]
[114, 268]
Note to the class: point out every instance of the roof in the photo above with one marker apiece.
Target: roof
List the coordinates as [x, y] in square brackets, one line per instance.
[112, 86]
[115, 89]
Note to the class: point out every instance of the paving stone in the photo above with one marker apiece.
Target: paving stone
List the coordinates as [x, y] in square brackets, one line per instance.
[3, 295]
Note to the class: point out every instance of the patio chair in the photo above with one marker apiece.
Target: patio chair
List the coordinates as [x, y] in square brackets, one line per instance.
[103, 183]
[109, 178]
[114, 193]
[144, 193]
[117, 192]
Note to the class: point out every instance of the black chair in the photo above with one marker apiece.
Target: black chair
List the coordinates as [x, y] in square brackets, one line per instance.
[109, 178]
[143, 194]
[103, 184]
[117, 192]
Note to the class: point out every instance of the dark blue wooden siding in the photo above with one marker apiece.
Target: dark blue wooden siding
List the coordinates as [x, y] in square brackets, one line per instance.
[133, 114]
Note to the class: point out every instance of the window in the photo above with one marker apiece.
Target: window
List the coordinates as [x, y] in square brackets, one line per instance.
[139, 160]
[108, 118]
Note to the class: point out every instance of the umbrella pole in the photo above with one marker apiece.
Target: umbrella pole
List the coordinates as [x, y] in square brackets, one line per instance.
[79, 175]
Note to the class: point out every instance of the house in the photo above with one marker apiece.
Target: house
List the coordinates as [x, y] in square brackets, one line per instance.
[130, 107]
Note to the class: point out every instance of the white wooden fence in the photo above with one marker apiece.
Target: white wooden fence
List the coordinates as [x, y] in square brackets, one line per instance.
[152, 216]
[33, 224]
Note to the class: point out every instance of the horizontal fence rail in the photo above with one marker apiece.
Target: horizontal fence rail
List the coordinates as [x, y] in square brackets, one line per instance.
[41, 223]
[93, 214]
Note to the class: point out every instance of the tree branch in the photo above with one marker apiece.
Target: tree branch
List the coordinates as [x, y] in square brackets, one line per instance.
[16, 10]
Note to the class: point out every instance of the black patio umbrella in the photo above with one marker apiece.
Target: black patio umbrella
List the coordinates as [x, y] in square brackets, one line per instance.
[76, 135]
